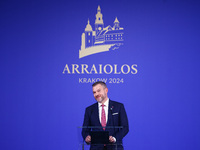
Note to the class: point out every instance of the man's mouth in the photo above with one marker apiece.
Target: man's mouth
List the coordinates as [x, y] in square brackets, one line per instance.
[98, 96]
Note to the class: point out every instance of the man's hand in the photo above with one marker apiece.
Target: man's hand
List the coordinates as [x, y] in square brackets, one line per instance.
[88, 139]
[112, 139]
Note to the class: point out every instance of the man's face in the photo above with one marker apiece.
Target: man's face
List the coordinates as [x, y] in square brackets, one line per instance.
[100, 93]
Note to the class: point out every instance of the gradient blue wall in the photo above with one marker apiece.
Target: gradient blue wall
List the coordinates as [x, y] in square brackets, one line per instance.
[41, 107]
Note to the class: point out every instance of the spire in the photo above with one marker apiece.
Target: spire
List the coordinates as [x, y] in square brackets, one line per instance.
[116, 24]
[98, 9]
[116, 20]
[99, 16]
[88, 27]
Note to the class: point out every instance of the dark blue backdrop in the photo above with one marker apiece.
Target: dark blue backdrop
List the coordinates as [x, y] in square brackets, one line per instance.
[41, 107]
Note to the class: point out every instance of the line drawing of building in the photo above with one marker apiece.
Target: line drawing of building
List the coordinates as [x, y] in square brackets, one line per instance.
[102, 38]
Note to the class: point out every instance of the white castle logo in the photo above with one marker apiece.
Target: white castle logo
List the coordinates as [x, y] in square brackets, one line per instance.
[102, 39]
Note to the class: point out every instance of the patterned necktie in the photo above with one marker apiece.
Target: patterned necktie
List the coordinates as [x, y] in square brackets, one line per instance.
[103, 117]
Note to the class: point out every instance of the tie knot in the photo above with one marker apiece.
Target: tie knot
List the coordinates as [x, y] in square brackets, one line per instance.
[102, 105]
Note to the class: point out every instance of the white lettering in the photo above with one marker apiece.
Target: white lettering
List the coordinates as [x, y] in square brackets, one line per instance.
[115, 68]
[84, 68]
[111, 69]
[135, 69]
[66, 69]
[75, 68]
[128, 69]
[93, 69]
[100, 69]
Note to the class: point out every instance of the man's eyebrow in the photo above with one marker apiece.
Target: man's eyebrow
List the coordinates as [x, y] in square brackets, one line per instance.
[97, 90]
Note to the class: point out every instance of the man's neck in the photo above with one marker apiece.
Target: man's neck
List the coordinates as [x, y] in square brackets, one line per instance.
[106, 99]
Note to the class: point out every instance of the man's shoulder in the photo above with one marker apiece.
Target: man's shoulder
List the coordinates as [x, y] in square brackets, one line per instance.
[115, 103]
[92, 106]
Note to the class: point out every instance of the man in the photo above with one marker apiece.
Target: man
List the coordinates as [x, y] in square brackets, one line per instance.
[108, 114]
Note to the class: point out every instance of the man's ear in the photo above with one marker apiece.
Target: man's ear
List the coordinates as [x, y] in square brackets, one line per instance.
[107, 90]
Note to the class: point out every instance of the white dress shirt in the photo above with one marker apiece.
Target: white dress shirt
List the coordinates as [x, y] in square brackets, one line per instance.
[106, 104]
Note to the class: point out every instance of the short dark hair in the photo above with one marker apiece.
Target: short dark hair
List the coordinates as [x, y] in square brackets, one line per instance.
[100, 82]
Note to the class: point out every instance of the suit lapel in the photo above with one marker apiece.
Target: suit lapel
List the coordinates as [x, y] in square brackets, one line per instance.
[96, 114]
[109, 113]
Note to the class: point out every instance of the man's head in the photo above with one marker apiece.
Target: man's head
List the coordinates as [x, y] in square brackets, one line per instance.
[100, 91]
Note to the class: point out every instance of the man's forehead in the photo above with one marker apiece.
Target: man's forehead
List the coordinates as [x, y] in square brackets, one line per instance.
[97, 86]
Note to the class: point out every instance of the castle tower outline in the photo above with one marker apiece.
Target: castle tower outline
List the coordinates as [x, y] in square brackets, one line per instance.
[102, 38]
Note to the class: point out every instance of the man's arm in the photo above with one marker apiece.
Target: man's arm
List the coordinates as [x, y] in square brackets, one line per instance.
[86, 123]
[123, 121]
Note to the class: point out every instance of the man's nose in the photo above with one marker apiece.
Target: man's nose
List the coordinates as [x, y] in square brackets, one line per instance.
[96, 94]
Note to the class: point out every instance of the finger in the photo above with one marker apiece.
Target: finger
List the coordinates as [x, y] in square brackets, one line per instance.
[110, 139]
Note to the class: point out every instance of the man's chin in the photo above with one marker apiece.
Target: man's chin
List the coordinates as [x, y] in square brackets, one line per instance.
[99, 100]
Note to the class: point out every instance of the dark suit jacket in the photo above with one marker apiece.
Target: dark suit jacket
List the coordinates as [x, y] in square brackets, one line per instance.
[116, 117]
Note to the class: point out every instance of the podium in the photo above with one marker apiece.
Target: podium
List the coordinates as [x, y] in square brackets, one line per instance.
[99, 138]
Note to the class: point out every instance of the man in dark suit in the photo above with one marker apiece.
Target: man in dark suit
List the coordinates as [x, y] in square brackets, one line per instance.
[109, 114]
